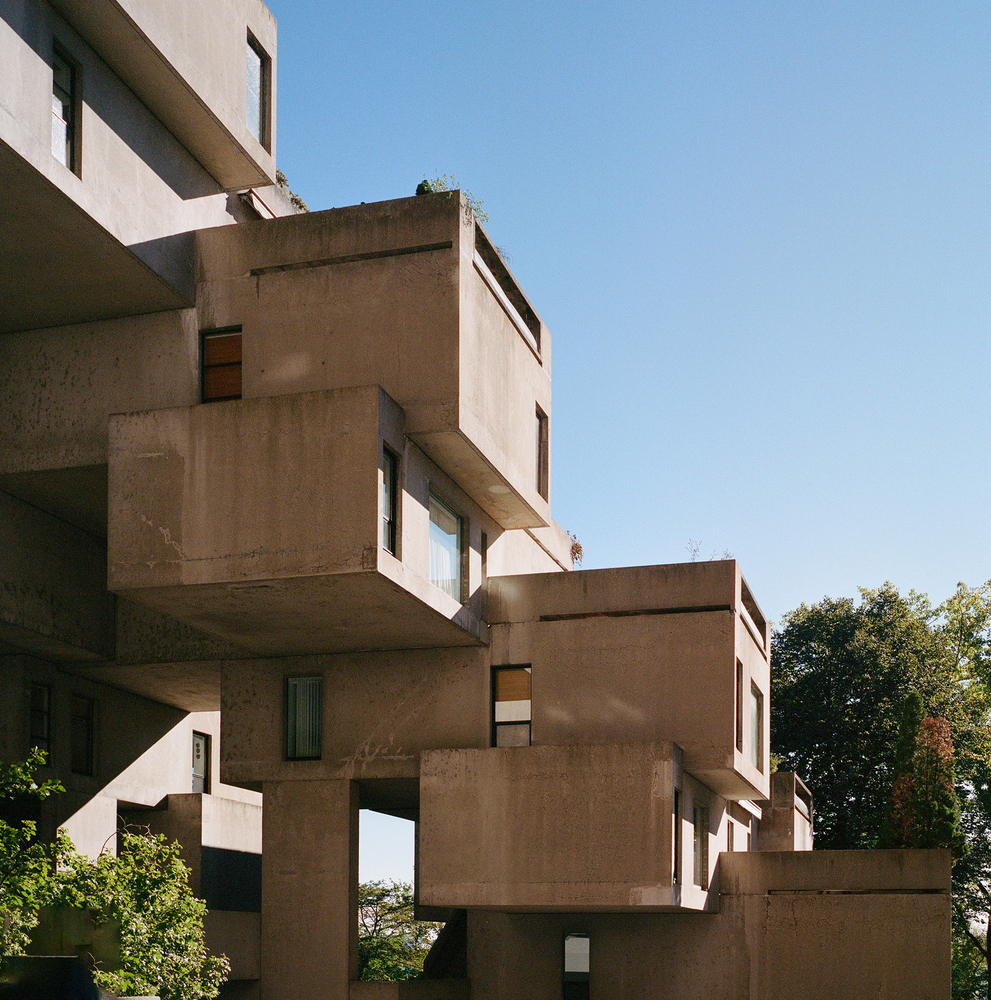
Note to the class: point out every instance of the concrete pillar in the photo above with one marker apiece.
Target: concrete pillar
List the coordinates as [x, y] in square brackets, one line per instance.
[309, 938]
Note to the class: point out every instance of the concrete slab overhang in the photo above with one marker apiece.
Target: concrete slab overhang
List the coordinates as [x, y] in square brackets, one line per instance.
[257, 521]
[550, 829]
[77, 271]
[206, 123]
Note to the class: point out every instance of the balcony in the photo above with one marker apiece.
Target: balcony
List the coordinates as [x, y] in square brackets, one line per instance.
[408, 295]
[258, 521]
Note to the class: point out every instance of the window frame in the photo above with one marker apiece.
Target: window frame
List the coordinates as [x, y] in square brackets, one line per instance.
[45, 714]
[497, 724]
[207, 335]
[292, 721]
[700, 845]
[435, 498]
[264, 95]
[207, 750]
[576, 984]
[85, 763]
[72, 159]
[543, 454]
[756, 727]
[390, 501]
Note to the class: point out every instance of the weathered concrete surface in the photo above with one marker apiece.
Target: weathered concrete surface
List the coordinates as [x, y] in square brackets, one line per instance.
[548, 828]
[888, 940]
[440, 989]
[410, 701]
[786, 821]
[387, 294]
[621, 655]
[53, 596]
[275, 545]
[310, 887]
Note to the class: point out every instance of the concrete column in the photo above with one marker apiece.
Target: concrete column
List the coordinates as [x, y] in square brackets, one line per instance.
[309, 937]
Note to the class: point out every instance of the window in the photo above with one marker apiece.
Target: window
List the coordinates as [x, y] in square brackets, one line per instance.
[256, 113]
[41, 717]
[221, 375]
[739, 706]
[201, 762]
[576, 967]
[65, 111]
[756, 727]
[303, 711]
[676, 838]
[83, 716]
[511, 706]
[446, 548]
[730, 827]
[700, 820]
[543, 466]
[390, 470]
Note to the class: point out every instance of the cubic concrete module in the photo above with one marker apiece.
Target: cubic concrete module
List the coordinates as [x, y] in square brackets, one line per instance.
[276, 545]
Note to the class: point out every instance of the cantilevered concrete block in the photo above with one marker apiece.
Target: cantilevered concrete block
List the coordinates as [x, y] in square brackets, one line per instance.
[259, 521]
[577, 828]
[409, 295]
[642, 654]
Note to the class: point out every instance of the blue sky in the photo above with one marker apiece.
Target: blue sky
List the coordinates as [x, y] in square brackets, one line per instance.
[759, 234]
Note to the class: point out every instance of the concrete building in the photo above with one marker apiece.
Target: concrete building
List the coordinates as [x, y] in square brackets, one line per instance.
[275, 526]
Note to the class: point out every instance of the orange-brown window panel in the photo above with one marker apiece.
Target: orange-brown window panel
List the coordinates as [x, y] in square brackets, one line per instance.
[221, 366]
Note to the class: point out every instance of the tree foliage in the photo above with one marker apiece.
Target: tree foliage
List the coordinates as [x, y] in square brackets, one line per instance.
[145, 888]
[25, 863]
[841, 673]
[391, 943]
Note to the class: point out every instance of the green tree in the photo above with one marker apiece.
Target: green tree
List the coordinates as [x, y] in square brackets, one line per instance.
[391, 943]
[840, 673]
[25, 863]
[923, 809]
[145, 889]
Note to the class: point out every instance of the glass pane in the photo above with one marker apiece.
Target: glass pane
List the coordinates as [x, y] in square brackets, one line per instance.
[389, 496]
[255, 97]
[303, 708]
[756, 727]
[576, 955]
[201, 761]
[222, 349]
[512, 684]
[222, 383]
[516, 734]
[445, 549]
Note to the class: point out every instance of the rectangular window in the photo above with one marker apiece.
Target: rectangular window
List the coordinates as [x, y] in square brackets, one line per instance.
[221, 374]
[730, 835]
[83, 719]
[446, 548]
[41, 717]
[65, 85]
[700, 821]
[390, 497]
[258, 88]
[576, 967]
[201, 762]
[543, 455]
[676, 838]
[304, 705]
[756, 727]
[739, 706]
[511, 706]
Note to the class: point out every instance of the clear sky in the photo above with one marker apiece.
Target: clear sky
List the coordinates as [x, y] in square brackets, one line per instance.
[758, 232]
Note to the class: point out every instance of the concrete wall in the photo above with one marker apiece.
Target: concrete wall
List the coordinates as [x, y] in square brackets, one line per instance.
[547, 828]
[60, 386]
[619, 656]
[53, 596]
[380, 711]
[371, 295]
[820, 926]
[135, 179]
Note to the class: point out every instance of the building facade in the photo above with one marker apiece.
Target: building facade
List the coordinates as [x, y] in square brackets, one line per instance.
[275, 528]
